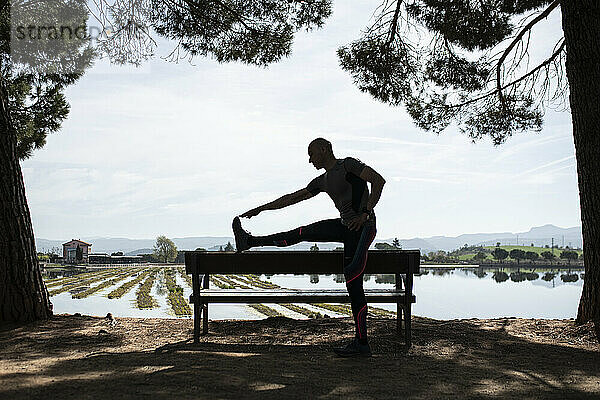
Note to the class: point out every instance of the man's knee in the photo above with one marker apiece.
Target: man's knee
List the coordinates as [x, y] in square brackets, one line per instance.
[351, 269]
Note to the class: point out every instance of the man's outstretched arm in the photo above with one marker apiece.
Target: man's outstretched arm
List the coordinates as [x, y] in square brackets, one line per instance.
[283, 201]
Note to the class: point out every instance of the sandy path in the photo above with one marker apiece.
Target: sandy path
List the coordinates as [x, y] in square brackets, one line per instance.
[80, 357]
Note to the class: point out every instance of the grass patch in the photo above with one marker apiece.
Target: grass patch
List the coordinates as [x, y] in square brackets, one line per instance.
[80, 277]
[220, 284]
[304, 311]
[103, 285]
[535, 249]
[347, 310]
[232, 284]
[127, 286]
[143, 298]
[175, 296]
[253, 280]
[83, 282]
[264, 310]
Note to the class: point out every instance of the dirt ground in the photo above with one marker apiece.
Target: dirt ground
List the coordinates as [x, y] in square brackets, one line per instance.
[83, 357]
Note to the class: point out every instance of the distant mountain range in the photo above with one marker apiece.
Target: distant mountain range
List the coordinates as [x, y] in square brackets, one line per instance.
[539, 236]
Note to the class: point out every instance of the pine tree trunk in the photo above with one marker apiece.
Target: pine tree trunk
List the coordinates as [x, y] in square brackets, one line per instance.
[23, 294]
[581, 26]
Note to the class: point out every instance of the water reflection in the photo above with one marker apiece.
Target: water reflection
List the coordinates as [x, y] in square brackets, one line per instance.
[548, 276]
[480, 273]
[385, 279]
[459, 292]
[517, 276]
[500, 276]
[443, 292]
[532, 276]
[569, 277]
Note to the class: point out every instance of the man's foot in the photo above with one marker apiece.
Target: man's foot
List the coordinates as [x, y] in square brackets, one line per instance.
[241, 236]
[353, 349]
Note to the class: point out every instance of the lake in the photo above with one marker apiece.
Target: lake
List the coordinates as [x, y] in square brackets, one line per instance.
[441, 292]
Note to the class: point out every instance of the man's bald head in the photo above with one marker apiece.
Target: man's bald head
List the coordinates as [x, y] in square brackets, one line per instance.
[320, 153]
[320, 143]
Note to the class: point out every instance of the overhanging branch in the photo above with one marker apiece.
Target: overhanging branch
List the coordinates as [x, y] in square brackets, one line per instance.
[556, 53]
[394, 22]
[516, 40]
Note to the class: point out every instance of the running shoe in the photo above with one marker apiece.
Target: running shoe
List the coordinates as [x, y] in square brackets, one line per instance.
[354, 349]
[241, 236]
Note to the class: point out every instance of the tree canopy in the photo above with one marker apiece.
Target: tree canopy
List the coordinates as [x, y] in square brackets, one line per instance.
[499, 253]
[164, 249]
[34, 73]
[257, 32]
[458, 61]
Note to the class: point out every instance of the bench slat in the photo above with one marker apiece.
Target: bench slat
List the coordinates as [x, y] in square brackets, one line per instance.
[304, 296]
[295, 262]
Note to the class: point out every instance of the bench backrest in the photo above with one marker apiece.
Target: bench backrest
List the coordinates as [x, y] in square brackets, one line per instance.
[298, 262]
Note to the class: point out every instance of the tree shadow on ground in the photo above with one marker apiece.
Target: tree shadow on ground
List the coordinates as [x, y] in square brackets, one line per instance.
[57, 336]
[282, 358]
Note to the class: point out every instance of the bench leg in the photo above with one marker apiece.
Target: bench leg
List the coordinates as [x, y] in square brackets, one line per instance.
[399, 309]
[197, 318]
[407, 325]
[205, 319]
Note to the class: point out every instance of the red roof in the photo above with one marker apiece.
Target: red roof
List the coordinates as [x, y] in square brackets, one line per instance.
[77, 240]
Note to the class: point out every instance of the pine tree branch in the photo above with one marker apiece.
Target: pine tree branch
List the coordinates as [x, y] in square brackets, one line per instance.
[516, 40]
[234, 14]
[394, 22]
[516, 81]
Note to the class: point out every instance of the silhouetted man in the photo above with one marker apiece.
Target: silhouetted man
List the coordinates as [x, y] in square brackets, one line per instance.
[345, 181]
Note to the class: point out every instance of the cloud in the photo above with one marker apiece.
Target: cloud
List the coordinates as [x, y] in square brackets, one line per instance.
[546, 165]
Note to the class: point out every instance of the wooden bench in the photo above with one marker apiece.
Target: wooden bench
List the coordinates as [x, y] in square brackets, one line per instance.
[402, 263]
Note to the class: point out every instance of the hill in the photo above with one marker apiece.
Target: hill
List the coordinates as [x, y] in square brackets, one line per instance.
[539, 236]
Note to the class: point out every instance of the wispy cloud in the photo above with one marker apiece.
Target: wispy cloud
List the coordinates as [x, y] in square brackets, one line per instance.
[541, 167]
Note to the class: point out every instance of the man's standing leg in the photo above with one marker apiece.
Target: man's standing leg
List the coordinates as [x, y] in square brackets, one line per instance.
[355, 260]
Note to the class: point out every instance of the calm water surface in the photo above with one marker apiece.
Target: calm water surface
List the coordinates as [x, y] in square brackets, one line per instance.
[442, 293]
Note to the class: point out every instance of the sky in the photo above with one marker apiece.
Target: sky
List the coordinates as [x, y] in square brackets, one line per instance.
[178, 149]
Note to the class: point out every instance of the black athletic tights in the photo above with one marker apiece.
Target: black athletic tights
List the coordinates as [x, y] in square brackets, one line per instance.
[356, 245]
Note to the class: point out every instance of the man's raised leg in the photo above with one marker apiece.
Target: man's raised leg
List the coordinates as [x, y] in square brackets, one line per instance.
[329, 230]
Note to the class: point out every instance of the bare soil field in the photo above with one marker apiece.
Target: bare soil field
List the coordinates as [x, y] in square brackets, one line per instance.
[85, 357]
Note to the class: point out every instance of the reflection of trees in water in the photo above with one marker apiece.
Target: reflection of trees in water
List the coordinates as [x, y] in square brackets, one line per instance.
[442, 271]
[339, 278]
[517, 276]
[480, 273]
[532, 276]
[500, 276]
[423, 272]
[520, 276]
[385, 278]
[314, 278]
[569, 277]
[548, 276]
[583, 276]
